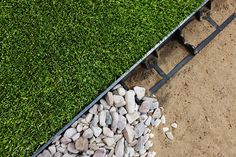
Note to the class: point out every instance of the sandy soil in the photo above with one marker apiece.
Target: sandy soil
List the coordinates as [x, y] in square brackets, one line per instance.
[201, 98]
[195, 36]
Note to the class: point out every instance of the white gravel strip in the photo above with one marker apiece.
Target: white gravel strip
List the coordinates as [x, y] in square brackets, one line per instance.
[117, 127]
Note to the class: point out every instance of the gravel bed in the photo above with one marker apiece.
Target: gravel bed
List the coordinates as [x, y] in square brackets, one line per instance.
[116, 127]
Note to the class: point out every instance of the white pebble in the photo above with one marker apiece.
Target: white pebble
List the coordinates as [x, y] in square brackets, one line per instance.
[151, 154]
[52, 149]
[169, 135]
[140, 92]
[70, 132]
[151, 135]
[117, 86]
[75, 136]
[165, 129]
[174, 125]
[79, 128]
[157, 122]
[163, 119]
[121, 91]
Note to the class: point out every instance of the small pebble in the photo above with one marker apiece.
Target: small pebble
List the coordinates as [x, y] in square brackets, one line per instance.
[109, 98]
[79, 128]
[163, 119]
[94, 109]
[100, 153]
[117, 86]
[151, 154]
[169, 135]
[121, 91]
[165, 129]
[96, 131]
[131, 117]
[71, 148]
[174, 125]
[88, 133]
[52, 149]
[107, 132]
[75, 136]
[81, 144]
[122, 111]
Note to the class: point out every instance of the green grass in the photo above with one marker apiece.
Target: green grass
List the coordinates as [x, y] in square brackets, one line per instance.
[57, 56]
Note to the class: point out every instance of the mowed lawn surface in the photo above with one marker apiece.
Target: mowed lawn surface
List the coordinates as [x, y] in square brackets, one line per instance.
[57, 56]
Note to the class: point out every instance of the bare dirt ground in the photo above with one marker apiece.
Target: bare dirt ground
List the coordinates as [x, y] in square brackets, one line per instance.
[201, 98]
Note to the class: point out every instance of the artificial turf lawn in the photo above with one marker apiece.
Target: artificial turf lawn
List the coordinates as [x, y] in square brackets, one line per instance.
[57, 56]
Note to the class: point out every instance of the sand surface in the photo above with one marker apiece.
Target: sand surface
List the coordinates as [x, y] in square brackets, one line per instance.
[201, 98]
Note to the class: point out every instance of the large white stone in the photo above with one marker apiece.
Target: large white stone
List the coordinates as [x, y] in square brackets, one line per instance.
[145, 106]
[117, 137]
[57, 154]
[139, 130]
[100, 153]
[130, 101]
[129, 151]
[105, 105]
[109, 98]
[95, 120]
[88, 133]
[109, 141]
[121, 123]
[96, 131]
[119, 101]
[94, 109]
[148, 121]
[115, 120]
[121, 91]
[154, 105]
[89, 117]
[163, 119]
[102, 118]
[75, 136]
[65, 140]
[157, 113]
[108, 118]
[107, 132]
[139, 145]
[79, 127]
[140, 92]
[128, 133]
[119, 149]
[81, 144]
[70, 132]
[46, 153]
[122, 111]
[52, 149]
[131, 117]
[71, 148]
